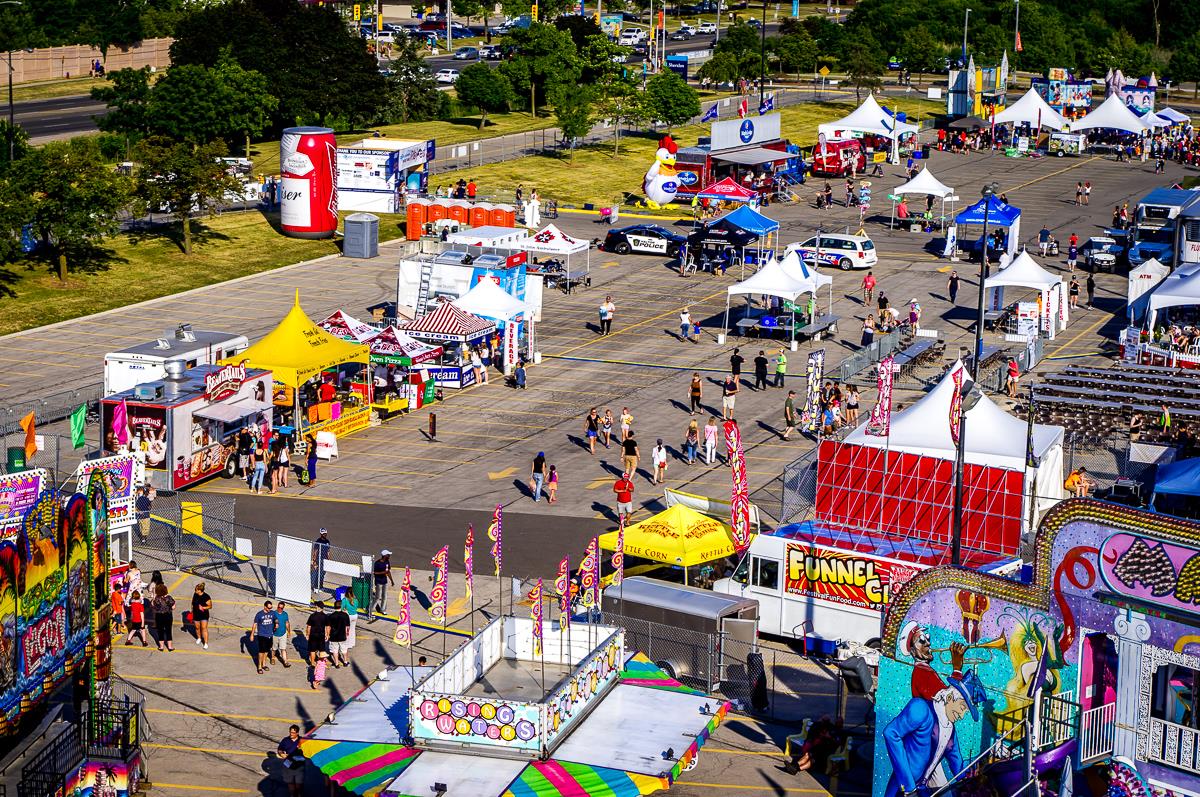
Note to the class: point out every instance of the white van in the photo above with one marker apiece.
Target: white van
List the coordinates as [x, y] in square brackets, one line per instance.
[830, 585]
[147, 362]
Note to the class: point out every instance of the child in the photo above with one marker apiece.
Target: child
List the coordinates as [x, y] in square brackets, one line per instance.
[118, 609]
[137, 618]
[318, 670]
[552, 483]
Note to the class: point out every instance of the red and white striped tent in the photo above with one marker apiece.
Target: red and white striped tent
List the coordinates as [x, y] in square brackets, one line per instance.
[392, 342]
[448, 323]
[347, 327]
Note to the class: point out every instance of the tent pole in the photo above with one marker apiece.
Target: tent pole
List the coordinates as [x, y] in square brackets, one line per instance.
[726, 325]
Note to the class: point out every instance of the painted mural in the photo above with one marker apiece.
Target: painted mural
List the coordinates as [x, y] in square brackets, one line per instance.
[105, 779]
[967, 654]
[100, 660]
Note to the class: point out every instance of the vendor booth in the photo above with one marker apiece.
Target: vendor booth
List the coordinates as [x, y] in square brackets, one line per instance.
[1175, 116]
[1142, 280]
[734, 150]
[1030, 111]
[871, 119]
[727, 190]
[456, 331]
[489, 301]
[924, 184]
[550, 240]
[1023, 272]
[375, 173]
[903, 482]
[322, 383]
[751, 221]
[397, 361]
[999, 216]
[786, 279]
[1154, 342]
[679, 538]
[1112, 114]
[185, 427]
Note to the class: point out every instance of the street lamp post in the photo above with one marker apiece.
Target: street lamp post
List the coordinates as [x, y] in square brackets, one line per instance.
[966, 20]
[969, 394]
[12, 123]
[762, 57]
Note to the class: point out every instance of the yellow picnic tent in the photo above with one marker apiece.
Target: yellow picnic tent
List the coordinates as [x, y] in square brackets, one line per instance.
[677, 536]
[297, 349]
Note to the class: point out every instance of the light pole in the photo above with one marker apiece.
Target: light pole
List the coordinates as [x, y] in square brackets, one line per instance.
[987, 192]
[966, 21]
[12, 123]
[762, 57]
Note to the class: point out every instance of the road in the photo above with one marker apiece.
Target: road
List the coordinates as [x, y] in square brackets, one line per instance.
[58, 117]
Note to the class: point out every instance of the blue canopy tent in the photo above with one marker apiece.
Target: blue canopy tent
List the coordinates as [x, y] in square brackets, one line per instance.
[1178, 478]
[748, 220]
[999, 214]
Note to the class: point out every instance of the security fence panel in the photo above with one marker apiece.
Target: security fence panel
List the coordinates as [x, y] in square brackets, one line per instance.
[293, 569]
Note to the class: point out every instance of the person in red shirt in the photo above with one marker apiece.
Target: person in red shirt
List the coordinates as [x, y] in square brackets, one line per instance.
[1074, 240]
[1014, 376]
[327, 391]
[137, 619]
[926, 682]
[624, 490]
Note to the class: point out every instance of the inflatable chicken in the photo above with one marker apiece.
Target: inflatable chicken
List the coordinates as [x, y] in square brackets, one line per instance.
[660, 183]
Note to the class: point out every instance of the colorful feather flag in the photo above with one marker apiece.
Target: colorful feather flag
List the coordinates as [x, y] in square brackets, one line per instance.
[739, 502]
[403, 634]
[562, 585]
[496, 535]
[618, 557]
[587, 573]
[469, 559]
[535, 612]
[439, 593]
[956, 403]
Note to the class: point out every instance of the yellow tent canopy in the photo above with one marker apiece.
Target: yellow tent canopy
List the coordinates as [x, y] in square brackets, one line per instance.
[678, 536]
[298, 348]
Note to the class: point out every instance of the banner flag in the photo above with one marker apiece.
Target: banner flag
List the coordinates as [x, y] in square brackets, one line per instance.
[587, 573]
[562, 585]
[618, 557]
[739, 501]
[535, 612]
[439, 593]
[810, 418]
[711, 114]
[496, 535]
[78, 422]
[403, 634]
[29, 426]
[880, 422]
[956, 403]
[469, 559]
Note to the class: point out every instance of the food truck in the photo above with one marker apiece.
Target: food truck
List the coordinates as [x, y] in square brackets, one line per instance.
[185, 426]
[732, 148]
[146, 362]
[838, 158]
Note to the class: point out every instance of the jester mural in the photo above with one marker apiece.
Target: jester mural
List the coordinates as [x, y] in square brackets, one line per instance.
[1095, 651]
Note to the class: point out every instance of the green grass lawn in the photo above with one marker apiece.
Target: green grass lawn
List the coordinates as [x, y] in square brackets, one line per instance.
[67, 87]
[141, 268]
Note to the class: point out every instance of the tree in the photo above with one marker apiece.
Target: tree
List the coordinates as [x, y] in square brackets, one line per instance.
[739, 40]
[411, 94]
[670, 100]
[573, 107]
[74, 198]
[248, 104]
[544, 57]
[466, 9]
[128, 101]
[484, 88]
[921, 52]
[795, 51]
[721, 68]
[1185, 62]
[599, 64]
[864, 65]
[187, 104]
[182, 178]
[578, 28]
[624, 107]
[15, 136]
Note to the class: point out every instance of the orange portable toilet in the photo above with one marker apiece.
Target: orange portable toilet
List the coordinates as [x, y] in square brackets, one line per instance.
[479, 215]
[437, 212]
[415, 215]
[459, 212]
[498, 216]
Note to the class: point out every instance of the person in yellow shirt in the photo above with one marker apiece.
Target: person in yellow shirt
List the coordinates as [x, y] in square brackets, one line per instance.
[780, 368]
[1079, 484]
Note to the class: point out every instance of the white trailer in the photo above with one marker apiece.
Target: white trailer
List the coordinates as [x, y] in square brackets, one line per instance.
[147, 362]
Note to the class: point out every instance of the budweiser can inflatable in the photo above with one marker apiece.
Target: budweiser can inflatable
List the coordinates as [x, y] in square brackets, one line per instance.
[308, 206]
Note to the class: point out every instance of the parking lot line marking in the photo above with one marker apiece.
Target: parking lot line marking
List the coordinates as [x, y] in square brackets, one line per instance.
[637, 364]
[1090, 329]
[1052, 174]
[212, 750]
[775, 789]
[185, 787]
[174, 584]
[227, 716]
[500, 474]
[224, 684]
[186, 652]
[777, 753]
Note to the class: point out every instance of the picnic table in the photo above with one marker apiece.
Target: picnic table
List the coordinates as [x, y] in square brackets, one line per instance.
[764, 323]
[1108, 393]
[818, 325]
[913, 352]
[995, 318]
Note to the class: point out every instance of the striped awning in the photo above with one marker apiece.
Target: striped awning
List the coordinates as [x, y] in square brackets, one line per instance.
[449, 320]
[565, 779]
[359, 767]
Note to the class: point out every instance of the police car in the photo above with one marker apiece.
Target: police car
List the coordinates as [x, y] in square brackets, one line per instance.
[840, 251]
[646, 239]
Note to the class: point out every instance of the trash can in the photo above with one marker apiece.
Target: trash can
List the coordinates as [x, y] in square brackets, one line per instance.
[925, 149]
[16, 458]
[362, 236]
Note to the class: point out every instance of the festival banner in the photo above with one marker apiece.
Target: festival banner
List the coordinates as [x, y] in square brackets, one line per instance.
[437, 611]
[880, 422]
[587, 573]
[956, 403]
[403, 633]
[496, 535]
[618, 557]
[739, 501]
[469, 559]
[535, 611]
[859, 580]
[562, 585]
[810, 418]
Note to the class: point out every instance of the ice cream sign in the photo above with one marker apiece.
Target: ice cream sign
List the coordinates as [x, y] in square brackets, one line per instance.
[224, 382]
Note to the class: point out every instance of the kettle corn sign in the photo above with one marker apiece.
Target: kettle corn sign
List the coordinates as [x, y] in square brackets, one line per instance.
[846, 578]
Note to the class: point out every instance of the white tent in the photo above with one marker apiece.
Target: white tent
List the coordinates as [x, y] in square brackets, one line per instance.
[1154, 120]
[993, 438]
[550, 240]
[1180, 289]
[1032, 110]
[487, 299]
[924, 183]
[788, 282]
[1175, 116]
[491, 237]
[1112, 114]
[1142, 280]
[869, 118]
[1024, 272]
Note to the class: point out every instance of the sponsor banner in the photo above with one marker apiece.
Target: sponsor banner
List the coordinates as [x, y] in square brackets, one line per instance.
[849, 579]
[18, 492]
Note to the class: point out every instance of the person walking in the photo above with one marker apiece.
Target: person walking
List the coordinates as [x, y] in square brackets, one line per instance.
[1013, 378]
[201, 610]
[623, 488]
[163, 606]
[294, 763]
[685, 324]
[136, 609]
[320, 664]
[591, 429]
[320, 552]
[914, 315]
[1091, 290]
[626, 423]
[116, 599]
[952, 286]
[735, 364]
[868, 287]
[780, 368]
[691, 441]
[480, 378]
[658, 455]
[760, 371]
[311, 447]
[1078, 193]
[350, 607]
[315, 631]
[552, 485]
[607, 311]
[630, 455]
[381, 572]
[1087, 192]
[1072, 256]
[537, 476]
[696, 391]
[1044, 240]
[729, 391]
[262, 631]
[711, 431]
[283, 632]
[606, 427]
[142, 505]
[789, 414]
[339, 631]
[1073, 292]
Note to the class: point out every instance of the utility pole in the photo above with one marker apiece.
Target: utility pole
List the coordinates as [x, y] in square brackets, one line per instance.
[966, 21]
[12, 117]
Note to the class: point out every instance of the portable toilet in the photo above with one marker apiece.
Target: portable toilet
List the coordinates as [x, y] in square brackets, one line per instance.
[436, 212]
[479, 215]
[362, 236]
[459, 211]
[416, 215]
[499, 217]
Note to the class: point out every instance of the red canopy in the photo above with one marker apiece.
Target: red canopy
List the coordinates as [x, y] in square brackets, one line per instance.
[727, 190]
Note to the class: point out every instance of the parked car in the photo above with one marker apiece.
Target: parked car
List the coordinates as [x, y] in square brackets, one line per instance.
[1101, 253]
[684, 33]
[645, 239]
[490, 52]
[706, 28]
[446, 75]
[466, 54]
[843, 251]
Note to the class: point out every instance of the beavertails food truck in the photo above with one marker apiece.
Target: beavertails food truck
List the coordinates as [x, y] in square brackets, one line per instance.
[187, 425]
[831, 585]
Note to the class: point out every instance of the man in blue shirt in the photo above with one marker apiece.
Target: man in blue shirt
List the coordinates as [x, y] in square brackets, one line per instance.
[293, 761]
[263, 631]
[283, 629]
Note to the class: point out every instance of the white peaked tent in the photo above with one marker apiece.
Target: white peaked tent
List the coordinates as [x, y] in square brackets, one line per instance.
[775, 279]
[1154, 120]
[868, 118]
[993, 438]
[928, 185]
[1181, 289]
[1112, 114]
[1143, 280]
[550, 240]
[1024, 272]
[488, 300]
[1031, 109]
[1174, 115]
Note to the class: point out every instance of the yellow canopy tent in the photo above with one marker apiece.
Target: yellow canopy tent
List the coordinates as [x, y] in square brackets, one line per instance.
[677, 536]
[297, 349]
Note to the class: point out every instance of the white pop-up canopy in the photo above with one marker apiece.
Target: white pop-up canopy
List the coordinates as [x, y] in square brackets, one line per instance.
[1174, 115]
[868, 118]
[993, 437]
[1032, 110]
[1142, 280]
[550, 240]
[788, 279]
[1024, 272]
[488, 300]
[924, 183]
[1181, 289]
[1112, 114]
[1155, 120]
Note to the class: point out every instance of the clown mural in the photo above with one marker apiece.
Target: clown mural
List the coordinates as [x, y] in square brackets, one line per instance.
[660, 183]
